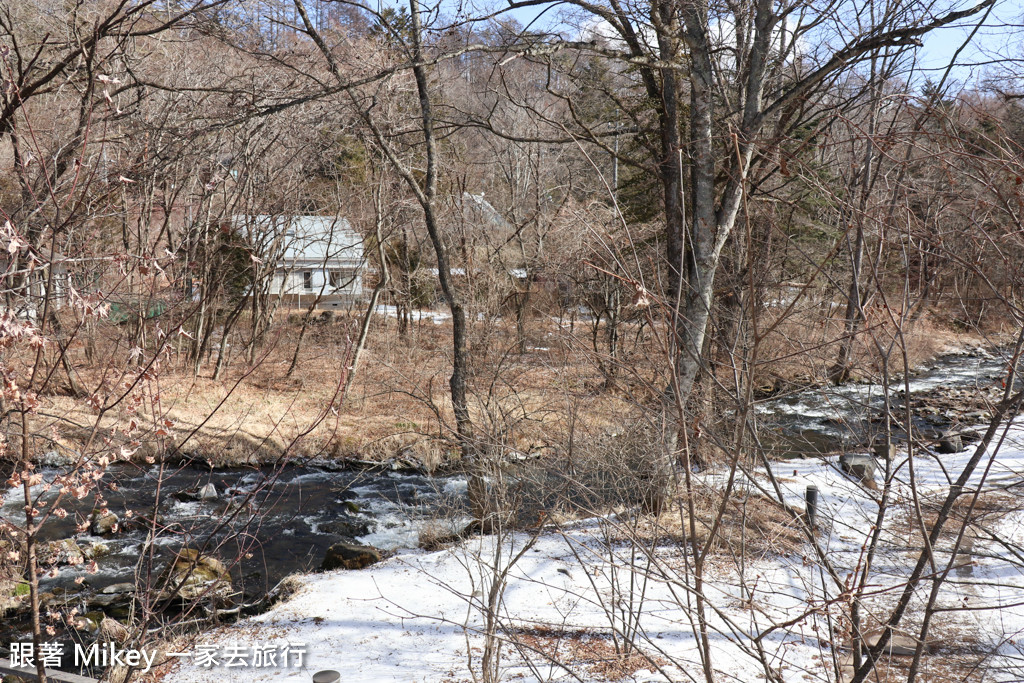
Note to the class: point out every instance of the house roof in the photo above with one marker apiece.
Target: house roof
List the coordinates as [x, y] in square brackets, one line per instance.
[306, 240]
[480, 211]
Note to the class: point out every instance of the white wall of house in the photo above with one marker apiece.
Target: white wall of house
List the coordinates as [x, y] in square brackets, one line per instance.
[335, 283]
[316, 256]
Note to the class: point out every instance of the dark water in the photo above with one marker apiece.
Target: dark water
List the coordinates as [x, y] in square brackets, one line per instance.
[272, 521]
[269, 522]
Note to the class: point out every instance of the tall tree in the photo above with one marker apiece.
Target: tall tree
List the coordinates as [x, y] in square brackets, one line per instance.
[727, 82]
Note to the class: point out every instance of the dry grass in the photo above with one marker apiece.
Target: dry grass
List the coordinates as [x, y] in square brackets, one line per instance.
[590, 655]
[804, 345]
[750, 525]
[399, 405]
[955, 651]
[990, 506]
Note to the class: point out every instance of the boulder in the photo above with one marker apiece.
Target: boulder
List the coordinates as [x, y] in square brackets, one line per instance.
[13, 594]
[88, 623]
[345, 527]
[859, 466]
[950, 444]
[205, 492]
[969, 436]
[349, 556]
[900, 645]
[95, 550]
[192, 576]
[104, 523]
[60, 553]
[118, 593]
[881, 450]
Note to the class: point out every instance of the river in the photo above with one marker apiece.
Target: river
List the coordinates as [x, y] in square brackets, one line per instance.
[270, 522]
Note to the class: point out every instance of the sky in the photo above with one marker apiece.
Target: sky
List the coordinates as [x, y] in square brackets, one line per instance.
[1000, 36]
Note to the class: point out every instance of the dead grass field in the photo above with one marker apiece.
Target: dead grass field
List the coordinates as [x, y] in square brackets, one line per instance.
[398, 407]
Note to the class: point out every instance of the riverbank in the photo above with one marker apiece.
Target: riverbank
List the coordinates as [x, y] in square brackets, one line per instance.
[398, 408]
[426, 616]
[285, 520]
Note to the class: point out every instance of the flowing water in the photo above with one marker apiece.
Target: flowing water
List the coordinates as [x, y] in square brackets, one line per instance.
[827, 419]
[273, 521]
[276, 521]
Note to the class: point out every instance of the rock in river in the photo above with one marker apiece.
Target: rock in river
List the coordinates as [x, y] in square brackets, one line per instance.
[118, 593]
[349, 556]
[104, 523]
[193, 576]
[59, 553]
[345, 527]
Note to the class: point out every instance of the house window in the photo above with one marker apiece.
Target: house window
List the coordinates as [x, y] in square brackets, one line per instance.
[335, 278]
[307, 279]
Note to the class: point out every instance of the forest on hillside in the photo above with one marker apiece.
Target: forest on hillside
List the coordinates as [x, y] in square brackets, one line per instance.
[598, 259]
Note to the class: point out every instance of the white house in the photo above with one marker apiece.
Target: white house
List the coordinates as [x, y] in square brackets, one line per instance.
[313, 256]
[24, 291]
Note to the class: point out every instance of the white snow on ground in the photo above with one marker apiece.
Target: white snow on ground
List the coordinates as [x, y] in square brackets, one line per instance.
[438, 317]
[418, 616]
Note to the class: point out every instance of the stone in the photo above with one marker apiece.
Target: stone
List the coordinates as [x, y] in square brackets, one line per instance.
[969, 436]
[88, 623]
[899, 645]
[205, 492]
[349, 556]
[59, 458]
[345, 527]
[950, 444]
[963, 561]
[104, 523]
[114, 594]
[881, 450]
[192, 576]
[13, 594]
[966, 546]
[95, 550]
[60, 553]
[859, 466]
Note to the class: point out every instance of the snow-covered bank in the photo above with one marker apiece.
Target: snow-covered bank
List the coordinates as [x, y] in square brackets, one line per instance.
[420, 616]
